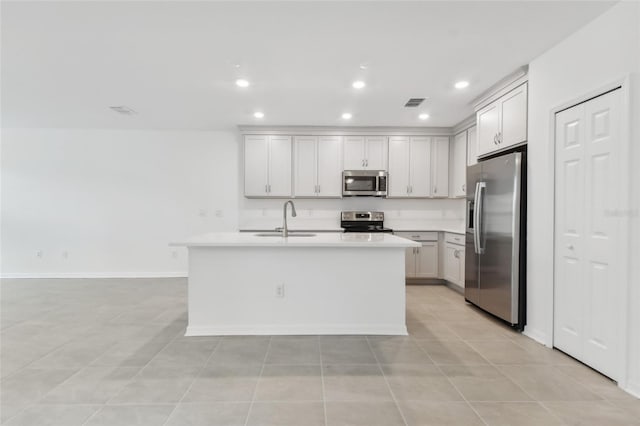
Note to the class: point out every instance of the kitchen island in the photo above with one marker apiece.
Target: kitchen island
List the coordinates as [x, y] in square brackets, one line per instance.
[325, 283]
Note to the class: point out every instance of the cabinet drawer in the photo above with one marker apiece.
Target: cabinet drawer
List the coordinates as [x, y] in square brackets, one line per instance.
[452, 238]
[418, 236]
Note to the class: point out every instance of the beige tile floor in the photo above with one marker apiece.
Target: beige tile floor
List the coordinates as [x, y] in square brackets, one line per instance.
[112, 352]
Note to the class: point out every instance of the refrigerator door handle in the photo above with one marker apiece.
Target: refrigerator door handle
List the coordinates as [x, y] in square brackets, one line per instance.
[475, 220]
[478, 225]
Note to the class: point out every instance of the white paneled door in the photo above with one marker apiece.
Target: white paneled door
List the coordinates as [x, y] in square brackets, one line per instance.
[587, 288]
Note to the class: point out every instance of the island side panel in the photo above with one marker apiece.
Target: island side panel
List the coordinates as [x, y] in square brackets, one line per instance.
[327, 290]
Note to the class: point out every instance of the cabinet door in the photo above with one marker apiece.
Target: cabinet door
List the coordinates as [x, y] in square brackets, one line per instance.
[256, 160]
[354, 153]
[427, 260]
[399, 158]
[376, 153]
[305, 155]
[488, 126]
[440, 167]
[410, 262]
[420, 167]
[279, 166]
[330, 166]
[513, 117]
[452, 263]
[461, 266]
[458, 167]
[472, 146]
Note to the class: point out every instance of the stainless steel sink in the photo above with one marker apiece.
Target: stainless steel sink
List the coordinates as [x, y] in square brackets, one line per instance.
[279, 234]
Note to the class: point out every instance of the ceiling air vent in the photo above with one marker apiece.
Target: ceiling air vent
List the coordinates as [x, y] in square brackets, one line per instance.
[122, 110]
[414, 102]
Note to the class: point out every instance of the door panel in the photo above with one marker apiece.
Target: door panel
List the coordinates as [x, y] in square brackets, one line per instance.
[458, 165]
[354, 153]
[514, 117]
[569, 301]
[330, 166]
[256, 160]
[498, 278]
[587, 291]
[472, 146]
[440, 167]
[376, 153]
[280, 166]
[488, 120]
[305, 166]
[420, 160]
[427, 260]
[399, 166]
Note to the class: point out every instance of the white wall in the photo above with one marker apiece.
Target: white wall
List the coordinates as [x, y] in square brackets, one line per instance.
[112, 200]
[603, 51]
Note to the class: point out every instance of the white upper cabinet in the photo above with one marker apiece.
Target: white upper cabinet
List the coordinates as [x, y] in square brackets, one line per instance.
[267, 166]
[330, 166]
[503, 123]
[409, 166]
[458, 166]
[472, 146]
[365, 153]
[399, 158]
[440, 166]
[306, 166]
[318, 166]
[420, 166]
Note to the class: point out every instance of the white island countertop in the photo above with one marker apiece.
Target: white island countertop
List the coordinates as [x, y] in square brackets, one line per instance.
[321, 239]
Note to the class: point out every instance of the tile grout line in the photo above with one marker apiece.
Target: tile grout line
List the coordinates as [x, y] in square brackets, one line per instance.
[129, 381]
[175, 407]
[464, 398]
[393, 396]
[255, 389]
[324, 397]
[496, 366]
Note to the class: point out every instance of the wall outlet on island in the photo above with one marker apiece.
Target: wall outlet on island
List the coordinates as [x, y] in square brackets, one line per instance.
[280, 290]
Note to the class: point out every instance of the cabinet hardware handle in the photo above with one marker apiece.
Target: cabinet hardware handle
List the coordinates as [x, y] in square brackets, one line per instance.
[463, 187]
[570, 246]
[415, 236]
[362, 163]
[456, 254]
[269, 188]
[318, 189]
[266, 188]
[435, 189]
[407, 189]
[499, 137]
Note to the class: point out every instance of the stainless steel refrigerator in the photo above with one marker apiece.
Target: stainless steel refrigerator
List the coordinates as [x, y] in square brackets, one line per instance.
[495, 237]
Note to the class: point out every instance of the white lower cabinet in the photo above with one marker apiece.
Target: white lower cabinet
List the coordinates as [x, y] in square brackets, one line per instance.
[421, 262]
[454, 259]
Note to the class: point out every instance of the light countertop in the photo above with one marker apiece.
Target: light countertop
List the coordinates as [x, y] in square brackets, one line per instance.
[322, 239]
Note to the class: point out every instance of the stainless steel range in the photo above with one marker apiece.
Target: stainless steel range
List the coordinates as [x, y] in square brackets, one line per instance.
[360, 221]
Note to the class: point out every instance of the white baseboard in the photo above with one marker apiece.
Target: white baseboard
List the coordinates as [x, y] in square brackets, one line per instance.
[301, 329]
[537, 335]
[632, 388]
[169, 274]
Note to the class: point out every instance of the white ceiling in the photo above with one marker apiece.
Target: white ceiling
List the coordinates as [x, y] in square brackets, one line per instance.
[64, 64]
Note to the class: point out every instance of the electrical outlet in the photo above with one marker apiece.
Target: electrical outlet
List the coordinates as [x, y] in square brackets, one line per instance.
[219, 213]
[174, 254]
[39, 254]
[280, 290]
[202, 213]
[65, 254]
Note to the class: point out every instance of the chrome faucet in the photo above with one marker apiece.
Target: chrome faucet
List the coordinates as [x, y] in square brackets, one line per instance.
[285, 228]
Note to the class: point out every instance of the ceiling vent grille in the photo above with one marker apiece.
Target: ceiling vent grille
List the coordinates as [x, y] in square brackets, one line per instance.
[414, 102]
[121, 109]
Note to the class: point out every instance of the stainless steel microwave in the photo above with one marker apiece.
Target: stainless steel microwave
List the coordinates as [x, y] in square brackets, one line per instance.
[367, 183]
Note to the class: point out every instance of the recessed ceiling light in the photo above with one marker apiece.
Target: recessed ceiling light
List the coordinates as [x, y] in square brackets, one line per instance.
[358, 84]
[423, 116]
[258, 114]
[242, 82]
[347, 116]
[461, 84]
[363, 66]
